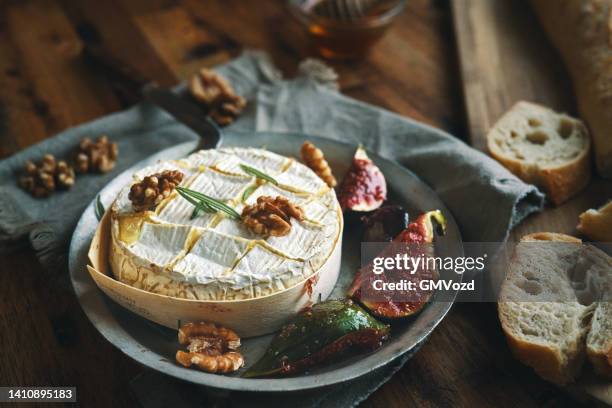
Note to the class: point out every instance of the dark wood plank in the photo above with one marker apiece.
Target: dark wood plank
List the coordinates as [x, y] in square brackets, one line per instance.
[17, 105]
[181, 43]
[109, 25]
[63, 90]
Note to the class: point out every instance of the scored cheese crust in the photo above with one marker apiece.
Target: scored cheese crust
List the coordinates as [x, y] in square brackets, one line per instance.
[213, 257]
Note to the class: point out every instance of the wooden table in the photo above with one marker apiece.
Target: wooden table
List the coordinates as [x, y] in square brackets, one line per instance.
[46, 87]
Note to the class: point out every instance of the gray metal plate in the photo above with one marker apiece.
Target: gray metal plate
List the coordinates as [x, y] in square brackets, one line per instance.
[155, 346]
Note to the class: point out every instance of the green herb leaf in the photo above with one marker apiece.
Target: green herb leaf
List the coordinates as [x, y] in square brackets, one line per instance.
[254, 172]
[99, 208]
[206, 203]
[210, 202]
[195, 213]
[201, 207]
[249, 191]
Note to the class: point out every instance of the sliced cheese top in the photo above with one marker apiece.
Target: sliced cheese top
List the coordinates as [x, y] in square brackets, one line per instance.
[214, 257]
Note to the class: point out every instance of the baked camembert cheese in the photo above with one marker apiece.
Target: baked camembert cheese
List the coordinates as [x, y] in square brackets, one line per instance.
[215, 257]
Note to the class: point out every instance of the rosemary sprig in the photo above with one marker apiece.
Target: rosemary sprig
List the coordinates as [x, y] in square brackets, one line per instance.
[257, 173]
[197, 209]
[198, 206]
[99, 208]
[249, 191]
[202, 202]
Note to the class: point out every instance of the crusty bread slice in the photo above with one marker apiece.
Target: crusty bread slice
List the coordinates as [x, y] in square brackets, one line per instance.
[542, 147]
[546, 303]
[599, 340]
[543, 321]
[597, 224]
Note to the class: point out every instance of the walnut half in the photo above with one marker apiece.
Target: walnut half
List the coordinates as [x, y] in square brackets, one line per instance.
[271, 216]
[210, 348]
[146, 194]
[313, 157]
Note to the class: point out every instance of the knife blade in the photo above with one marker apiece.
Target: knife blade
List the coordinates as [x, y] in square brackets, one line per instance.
[185, 112]
[137, 87]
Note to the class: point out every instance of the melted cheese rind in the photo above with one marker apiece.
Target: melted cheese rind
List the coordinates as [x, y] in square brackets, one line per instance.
[304, 241]
[300, 179]
[271, 190]
[213, 257]
[160, 244]
[235, 228]
[262, 160]
[263, 270]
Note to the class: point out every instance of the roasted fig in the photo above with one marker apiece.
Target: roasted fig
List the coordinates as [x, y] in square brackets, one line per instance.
[319, 335]
[364, 187]
[423, 229]
[397, 304]
[385, 223]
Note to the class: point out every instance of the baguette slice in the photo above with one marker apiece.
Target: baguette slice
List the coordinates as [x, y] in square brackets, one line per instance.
[599, 340]
[542, 147]
[543, 321]
[597, 224]
[546, 303]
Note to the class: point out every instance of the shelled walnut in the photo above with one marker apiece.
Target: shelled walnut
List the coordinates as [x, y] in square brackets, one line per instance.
[271, 216]
[151, 190]
[313, 157]
[217, 95]
[43, 179]
[210, 348]
[97, 156]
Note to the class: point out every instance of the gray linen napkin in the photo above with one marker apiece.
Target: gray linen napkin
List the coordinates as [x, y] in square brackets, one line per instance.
[485, 199]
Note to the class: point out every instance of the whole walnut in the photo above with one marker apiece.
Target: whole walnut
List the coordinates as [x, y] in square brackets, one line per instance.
[210, 348]
[271, 216]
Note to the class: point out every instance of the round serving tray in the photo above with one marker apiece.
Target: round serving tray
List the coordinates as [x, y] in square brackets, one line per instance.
[155, 346]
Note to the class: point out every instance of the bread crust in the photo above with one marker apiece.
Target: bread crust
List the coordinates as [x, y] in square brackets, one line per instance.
[597, 224]
[581, 30]
[545, 361]
[550, 236]
[599, 354]
[548, 362]
[602, 362]
[560, 183]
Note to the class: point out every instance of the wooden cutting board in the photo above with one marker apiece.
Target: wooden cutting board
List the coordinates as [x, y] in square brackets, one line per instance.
[505, 57]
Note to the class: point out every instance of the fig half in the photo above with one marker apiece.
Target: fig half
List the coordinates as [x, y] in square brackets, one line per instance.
[364, 187]
[386, 306]
[320, 335]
